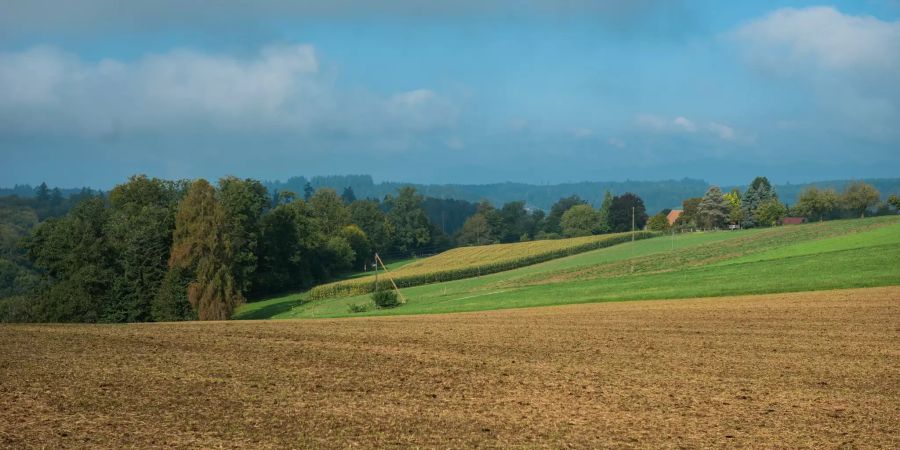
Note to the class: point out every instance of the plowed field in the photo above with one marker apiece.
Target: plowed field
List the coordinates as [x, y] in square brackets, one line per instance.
[786, 370]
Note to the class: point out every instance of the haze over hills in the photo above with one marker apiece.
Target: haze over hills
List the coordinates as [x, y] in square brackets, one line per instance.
[656, 194]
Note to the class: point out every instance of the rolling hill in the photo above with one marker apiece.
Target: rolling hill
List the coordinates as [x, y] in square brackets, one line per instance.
[819, 256]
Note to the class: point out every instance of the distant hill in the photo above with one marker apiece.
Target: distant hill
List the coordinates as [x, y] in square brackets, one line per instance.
[656, 194]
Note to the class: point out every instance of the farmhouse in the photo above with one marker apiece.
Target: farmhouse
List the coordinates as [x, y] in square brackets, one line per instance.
[674, 215]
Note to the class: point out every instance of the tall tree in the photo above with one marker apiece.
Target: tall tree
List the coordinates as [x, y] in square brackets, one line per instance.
[201, 247]
[689, 212]
[713, 209]
[411, 226]
[605, 225]
[759, 192]
[859, 197]
[620, 212]
[476, 231]
[308, 191]
[580, 220]
[735, 214]
[514, 222]
[551, 223]
[817, 204]
[330, 210]
[79, 265]
[348, 196]
[142, 220]
[770, 212]
[374, 222]
[242, 203]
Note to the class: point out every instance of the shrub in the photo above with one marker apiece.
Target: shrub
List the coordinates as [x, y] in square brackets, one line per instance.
[359, 307]
[385, 298]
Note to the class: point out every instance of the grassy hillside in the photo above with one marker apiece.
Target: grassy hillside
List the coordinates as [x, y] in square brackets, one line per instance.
[467, 262]
[828, 255]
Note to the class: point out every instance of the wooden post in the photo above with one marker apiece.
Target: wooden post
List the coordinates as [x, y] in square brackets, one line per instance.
[396, 289]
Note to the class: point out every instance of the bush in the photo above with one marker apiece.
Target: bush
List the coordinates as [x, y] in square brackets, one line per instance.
[385, 298]
[359, 307]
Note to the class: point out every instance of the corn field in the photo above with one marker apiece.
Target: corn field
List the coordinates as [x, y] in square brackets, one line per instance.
[468, 262]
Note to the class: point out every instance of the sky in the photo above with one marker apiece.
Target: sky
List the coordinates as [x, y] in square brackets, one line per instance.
[444, 91]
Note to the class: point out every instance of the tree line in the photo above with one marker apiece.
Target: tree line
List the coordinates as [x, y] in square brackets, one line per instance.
[759, 205]
[161, 250]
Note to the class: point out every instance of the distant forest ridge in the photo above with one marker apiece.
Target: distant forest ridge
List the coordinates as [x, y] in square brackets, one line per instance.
[656, 194]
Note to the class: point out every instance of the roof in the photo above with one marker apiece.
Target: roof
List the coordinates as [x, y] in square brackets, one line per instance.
[793, 220]
[674, 215]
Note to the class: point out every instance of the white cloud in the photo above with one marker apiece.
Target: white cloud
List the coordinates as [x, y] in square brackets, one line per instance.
[582, 133]
[848, 63]
[682, 124]
[822, 36]
[616, 142]
[685, 124]
[281, 87]
[723, 131]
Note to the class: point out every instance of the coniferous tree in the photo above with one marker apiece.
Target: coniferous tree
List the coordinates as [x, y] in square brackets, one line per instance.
[242, 203]
[348, 196]
[713, 209]
[605, 225]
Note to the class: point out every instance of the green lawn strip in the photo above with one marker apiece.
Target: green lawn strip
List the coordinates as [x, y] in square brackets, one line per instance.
[714, 253]
[281, 306]
[854, 268]
[888, 234]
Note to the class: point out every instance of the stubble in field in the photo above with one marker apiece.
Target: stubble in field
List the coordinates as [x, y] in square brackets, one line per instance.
[806, 369]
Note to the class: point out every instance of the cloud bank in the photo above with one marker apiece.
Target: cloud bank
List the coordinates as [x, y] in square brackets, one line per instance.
[280, 88]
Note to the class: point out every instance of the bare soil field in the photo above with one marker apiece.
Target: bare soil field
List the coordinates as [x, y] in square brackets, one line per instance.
[815, 369]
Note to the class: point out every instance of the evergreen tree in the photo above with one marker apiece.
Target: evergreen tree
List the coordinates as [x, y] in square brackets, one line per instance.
[348, 196]
[142, 220]
[713, 209]
[308, 191]
[605, 225]
[242, 203]
[42, 194]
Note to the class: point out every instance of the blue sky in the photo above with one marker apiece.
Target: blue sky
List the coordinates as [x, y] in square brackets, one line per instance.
[449, 91]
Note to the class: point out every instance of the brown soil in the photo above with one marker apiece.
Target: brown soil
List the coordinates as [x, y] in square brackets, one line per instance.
[789, 370]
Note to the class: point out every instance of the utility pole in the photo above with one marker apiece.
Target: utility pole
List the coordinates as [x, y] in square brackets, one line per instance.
[376, 271]
[632, 239]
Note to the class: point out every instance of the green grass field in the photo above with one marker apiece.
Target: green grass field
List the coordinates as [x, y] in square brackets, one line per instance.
[828, 255]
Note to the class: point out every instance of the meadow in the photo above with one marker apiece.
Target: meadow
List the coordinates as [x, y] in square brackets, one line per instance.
[825, 255]
[467, 262]
[811, 369]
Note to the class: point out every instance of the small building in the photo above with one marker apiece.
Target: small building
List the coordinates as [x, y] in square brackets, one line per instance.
[793, 220]
[674, 215]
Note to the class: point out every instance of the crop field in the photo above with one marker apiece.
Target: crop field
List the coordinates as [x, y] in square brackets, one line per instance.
[826, 255]
[794, 370]
[466, 262]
